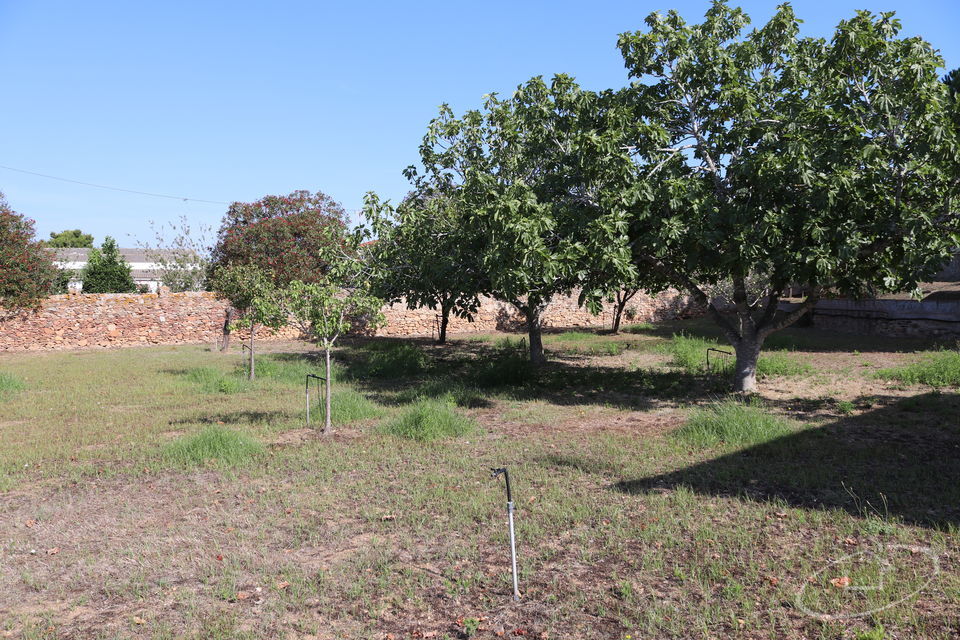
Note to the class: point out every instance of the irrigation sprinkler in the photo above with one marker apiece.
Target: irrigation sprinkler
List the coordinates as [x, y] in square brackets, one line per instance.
[726, 353]
[306, 387]
[513, 541]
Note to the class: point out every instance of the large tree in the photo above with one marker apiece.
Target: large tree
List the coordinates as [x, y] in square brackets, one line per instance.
[425, 256]
[26, 267]
[527, 173]
[70, 238]
[772, 158]
[284, 235]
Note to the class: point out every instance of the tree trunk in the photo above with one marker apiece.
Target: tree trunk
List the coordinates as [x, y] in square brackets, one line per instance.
[618, 314]
[534, 319]
[227, 321]
[444, 321]
[327, 396]
[745, 372]
[252, 375]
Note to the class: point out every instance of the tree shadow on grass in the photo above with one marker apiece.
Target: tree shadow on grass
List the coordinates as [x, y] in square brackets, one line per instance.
[238, 417]
[901, 459]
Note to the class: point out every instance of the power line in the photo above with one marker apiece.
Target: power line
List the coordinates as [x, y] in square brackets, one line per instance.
[102, 186]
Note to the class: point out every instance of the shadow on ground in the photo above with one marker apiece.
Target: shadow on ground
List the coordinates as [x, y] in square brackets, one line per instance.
[901, 460]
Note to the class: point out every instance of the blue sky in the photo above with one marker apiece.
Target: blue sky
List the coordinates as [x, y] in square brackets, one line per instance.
[234, 100]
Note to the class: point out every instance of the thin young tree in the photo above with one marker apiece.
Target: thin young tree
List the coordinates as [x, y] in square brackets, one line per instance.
[253, 292]
[336, 301]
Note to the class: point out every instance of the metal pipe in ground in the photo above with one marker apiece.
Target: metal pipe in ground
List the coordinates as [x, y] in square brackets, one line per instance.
[513, 540]
[307, 391]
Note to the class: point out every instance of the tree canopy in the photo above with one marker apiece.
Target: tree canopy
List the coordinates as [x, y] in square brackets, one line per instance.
[785, 159]
[26, 267]
[106, 271]
[70, 238]
[283, 235]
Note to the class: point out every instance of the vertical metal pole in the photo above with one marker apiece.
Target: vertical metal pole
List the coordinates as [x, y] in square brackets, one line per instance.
[513, 552]
[308, 401]
[513, 539]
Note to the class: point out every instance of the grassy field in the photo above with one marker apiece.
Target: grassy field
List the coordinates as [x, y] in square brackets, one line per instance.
[155, 493]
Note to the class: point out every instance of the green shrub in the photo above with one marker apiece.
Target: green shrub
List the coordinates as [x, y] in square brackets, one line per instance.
[9, 384]
[213, 445]
[506, 369]
[429, 419]
[732, 423]
[443, 389]
[395, 360]
[690, 354]
[936, 369]
[212, 380]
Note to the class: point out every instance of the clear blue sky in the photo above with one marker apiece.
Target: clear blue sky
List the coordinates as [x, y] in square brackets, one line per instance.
[235, 100]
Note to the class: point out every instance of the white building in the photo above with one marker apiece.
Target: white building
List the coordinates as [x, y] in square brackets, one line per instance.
[142, 268]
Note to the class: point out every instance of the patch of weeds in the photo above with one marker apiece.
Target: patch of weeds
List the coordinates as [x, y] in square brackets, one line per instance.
[212, 445]
[508, 344]
[573, 336]
[690, 354]
[429, 419]
[348, 405]
[9, 384]
[845, 407]
[450, 392]
[642, 327]
[291, 369]
[507, 369]
[732, 423]
[937, 369]
[395, 360]
[875, 633]
[212, 380]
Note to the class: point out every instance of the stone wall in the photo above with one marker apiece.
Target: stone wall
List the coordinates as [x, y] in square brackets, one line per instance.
[77, 321]
[563, 311]
[895, 318]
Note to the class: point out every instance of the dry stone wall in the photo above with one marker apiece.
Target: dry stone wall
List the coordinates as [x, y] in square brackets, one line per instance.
[78, 321]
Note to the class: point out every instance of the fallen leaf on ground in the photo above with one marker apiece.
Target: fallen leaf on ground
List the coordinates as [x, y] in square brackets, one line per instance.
[54, 551]
[138, 620]
[283, 584]
[242, 595]
[841, 582]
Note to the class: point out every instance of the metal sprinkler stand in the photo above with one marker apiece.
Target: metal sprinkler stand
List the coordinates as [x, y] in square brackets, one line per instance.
[307, 391]
[513, 542]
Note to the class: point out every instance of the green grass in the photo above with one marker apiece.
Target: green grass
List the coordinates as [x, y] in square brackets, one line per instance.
[585, 342]
[690, 354]
[935, 369]
[348, 406]
[393, 359]
[504, 369]
[9, 384]
[214, 445]
[732, 423]
[212, 380]
[641, 327]
[430, 419]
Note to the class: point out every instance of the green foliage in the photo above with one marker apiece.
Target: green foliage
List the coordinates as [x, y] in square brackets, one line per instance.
[508, 368]
[214, 445]
[395, 360]
[212, 380]
[61, 281]
[846, 407]
[690, 354]
[26, 267]
[106, 270]
[9, 384]
[937, 369]
[70, 238]
[732, 423]
[642, 327]
[430, 419]
[349, 406]
[289, 237]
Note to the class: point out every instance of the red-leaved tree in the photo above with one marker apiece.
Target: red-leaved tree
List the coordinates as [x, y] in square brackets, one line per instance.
[26, 266]
[282, 235]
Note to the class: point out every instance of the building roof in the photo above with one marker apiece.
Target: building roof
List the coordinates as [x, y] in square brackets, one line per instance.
[130, 255]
